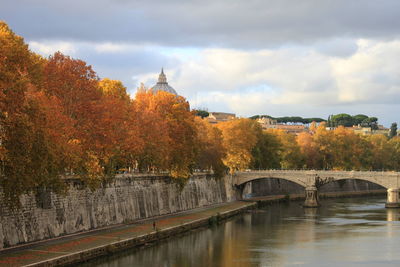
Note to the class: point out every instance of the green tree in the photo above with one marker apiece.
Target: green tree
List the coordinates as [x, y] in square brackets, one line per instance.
[342, 119]
[201, 113]
[370, 122]
[393, 130]
[266, 153]
[359, 119]
[290, 154]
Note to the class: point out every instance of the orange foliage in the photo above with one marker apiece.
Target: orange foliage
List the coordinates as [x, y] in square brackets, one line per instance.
[168, 131]
[210, 147]
[309, 149]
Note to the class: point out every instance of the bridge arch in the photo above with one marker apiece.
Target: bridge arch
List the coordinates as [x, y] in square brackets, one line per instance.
[266, 186]
[242, 183]
[372, 181]
[350, 184]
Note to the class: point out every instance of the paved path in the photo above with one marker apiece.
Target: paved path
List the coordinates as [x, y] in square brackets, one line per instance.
[32, 254]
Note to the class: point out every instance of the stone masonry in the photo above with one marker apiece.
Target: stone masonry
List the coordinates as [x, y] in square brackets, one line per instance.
[127, 199]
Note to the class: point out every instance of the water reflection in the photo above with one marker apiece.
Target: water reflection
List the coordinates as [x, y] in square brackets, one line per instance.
[393, 215]
[342, 232]
[310, 212]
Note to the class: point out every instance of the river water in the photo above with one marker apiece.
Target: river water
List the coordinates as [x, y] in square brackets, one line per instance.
[343, 232]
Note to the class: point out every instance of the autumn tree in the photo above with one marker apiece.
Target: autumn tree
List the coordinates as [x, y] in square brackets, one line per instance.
[76, 85]
[394, 144]
[120, 140]
[168, 131]
[239, 139]
[34, 133]
[290, 154]
[381, 152]
[114, 88]
[210, 147]
[153, 132]
[310, 151]
[324, 143]
[348, 149]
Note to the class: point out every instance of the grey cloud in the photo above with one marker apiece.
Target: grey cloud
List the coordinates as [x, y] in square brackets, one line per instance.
[337, 47]
[304, 51]
[229, 23]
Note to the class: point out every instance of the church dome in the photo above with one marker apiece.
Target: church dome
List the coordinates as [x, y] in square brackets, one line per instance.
[162, 84]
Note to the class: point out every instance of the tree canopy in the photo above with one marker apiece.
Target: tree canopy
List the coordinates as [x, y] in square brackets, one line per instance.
[347, 120]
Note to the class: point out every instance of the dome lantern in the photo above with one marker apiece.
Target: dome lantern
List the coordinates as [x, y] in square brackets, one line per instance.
[162, 84]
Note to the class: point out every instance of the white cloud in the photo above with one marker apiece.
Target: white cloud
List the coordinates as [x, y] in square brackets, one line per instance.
[371, 75]
[110, 47]
[50, 47]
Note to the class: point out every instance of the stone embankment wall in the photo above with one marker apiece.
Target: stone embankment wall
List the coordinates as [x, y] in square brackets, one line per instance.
[125, 200]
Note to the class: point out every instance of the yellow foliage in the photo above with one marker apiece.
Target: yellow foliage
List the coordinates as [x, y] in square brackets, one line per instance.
[239, 138]
[114, 88]
[291, 157]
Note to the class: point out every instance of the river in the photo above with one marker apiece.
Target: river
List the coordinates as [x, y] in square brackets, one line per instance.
[343, 232]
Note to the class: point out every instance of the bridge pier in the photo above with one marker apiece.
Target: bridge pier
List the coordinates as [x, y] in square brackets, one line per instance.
[238, 189]
[393, 200]
[312, 200]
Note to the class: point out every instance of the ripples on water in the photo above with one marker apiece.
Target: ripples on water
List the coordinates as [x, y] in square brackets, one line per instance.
[343, 232]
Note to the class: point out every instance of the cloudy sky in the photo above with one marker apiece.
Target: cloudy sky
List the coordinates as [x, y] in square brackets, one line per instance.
[307, 58]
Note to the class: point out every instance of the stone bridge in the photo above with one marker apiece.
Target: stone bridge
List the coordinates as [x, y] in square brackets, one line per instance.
[311, 180]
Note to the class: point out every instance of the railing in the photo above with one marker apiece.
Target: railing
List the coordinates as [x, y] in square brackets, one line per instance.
[317, 170]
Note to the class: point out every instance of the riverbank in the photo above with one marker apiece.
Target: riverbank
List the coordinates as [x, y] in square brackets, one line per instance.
[72, 249]
[342, 232]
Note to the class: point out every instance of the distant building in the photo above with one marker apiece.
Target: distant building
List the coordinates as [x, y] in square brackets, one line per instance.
[216, 117]
[369, 131]
[293, 129]
[381, 130]
[266, 123]
[162, 84]
[361, 130]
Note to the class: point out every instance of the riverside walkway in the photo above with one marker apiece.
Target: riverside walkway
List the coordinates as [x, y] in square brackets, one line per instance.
[83, 246]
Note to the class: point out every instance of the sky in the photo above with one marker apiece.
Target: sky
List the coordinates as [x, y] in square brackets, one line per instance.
[308, 58]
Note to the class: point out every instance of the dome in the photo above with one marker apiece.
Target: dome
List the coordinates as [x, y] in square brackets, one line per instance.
[162, 85]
